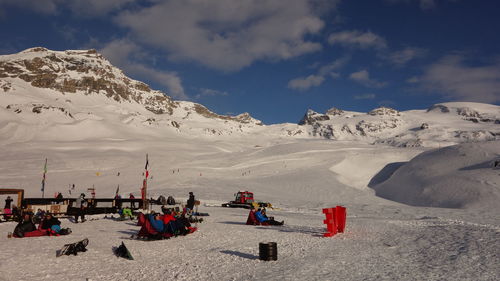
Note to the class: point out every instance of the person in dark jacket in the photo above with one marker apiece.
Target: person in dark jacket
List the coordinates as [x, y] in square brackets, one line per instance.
[8, 202]
[80, 205]
[132, 204]
[190, 201]
[25, 225]
[49, 221]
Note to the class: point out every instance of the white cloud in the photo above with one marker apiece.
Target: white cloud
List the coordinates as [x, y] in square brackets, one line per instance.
[334, 75]
[91, 8]
[305, 83]
[364, 97]
[336, 64]
[363, 77]
[452, 78]
[123, 53]
[226, 34]
[404, 56]
[210, 93]
[357, 39]
[83, 8]
[314, 80]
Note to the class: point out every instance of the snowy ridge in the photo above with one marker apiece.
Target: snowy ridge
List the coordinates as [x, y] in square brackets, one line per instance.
[43, 88]
[440, 125]
[85, 86]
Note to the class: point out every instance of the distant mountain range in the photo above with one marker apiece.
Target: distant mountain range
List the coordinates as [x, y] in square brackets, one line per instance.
[78, 94]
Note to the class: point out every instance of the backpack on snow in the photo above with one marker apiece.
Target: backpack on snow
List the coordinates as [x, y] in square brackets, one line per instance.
[170, 200]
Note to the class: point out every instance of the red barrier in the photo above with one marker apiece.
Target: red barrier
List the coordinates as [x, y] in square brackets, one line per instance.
[335, 220]
[331, 226]
[340, 215]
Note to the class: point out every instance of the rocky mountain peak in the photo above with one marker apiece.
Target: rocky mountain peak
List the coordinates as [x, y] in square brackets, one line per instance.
[87, 72]
[312, 117]
[387, 111]
[334, 111]
[80, 71]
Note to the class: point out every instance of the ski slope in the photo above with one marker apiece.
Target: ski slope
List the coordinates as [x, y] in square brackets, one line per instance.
[384, 240]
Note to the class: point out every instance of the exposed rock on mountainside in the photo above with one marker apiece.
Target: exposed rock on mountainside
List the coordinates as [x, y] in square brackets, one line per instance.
[80, 92]
[387, 111]
[466, 113]
[88, 72]
[441, 124]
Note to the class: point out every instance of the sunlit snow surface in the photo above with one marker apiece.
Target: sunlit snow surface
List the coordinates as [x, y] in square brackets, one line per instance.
[383, 240]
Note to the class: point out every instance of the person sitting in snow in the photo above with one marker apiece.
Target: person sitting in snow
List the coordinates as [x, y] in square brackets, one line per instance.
[156, 222]
[25, 225]
[39, 215]
[261, 216]
[126, 212]
[49, 221]
[183, 219]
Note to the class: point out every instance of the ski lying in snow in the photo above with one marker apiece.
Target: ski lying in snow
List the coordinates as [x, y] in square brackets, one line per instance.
[73, 248]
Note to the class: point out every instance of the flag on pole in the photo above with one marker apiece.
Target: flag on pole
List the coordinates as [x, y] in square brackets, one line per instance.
[146, 167]
[44, 173]
[117, 190]
[143, 189]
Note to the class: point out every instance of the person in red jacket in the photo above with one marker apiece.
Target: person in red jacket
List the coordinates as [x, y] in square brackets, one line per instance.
[168, 216]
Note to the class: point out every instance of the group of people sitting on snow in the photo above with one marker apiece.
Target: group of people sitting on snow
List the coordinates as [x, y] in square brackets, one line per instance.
[163, 226]
[259, 217]
[47, 225]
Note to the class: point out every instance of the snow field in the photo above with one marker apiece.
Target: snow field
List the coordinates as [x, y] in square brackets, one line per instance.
[224, 248]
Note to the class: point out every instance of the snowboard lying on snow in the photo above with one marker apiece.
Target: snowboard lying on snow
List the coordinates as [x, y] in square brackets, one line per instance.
[122, 252]
[73, 248]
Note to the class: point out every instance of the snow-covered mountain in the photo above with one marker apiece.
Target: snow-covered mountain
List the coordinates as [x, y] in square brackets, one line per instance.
[441, 124]
[62, 94]
[70, 89]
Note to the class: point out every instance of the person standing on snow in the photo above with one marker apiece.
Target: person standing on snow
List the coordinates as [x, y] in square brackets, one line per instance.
[132, 204]
[8, 202]
[80, 205]
[190, 201]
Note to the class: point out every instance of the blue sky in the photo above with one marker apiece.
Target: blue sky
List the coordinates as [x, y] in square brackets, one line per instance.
[274, 58]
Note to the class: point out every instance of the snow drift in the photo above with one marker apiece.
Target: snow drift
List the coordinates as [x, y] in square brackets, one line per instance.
[459, 176]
